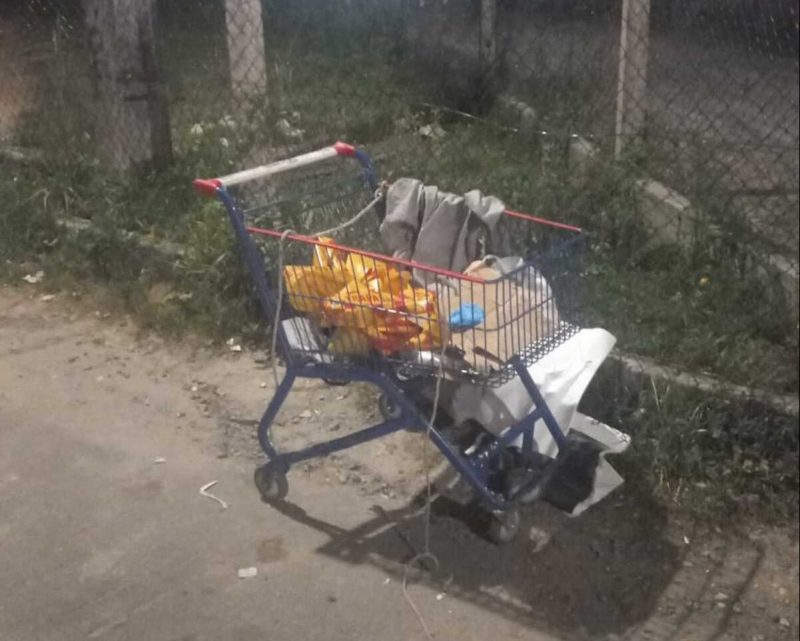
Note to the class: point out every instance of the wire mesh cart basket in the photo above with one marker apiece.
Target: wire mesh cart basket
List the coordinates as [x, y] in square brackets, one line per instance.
[342, 311]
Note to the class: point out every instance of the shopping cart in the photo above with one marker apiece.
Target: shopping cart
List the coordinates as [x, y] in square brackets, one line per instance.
[412, 330]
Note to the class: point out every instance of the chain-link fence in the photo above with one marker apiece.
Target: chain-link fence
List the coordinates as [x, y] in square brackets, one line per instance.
[667, 128]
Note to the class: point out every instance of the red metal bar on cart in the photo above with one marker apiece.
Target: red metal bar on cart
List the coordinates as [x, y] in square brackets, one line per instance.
[542, 221]
[410, 264]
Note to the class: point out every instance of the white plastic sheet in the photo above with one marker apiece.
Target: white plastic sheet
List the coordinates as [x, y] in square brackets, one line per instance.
[562, 377]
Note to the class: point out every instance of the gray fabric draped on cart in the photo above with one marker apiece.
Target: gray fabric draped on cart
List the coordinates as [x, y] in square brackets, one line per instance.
[450, 231]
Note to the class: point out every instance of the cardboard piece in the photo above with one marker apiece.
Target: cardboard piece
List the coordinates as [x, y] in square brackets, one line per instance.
[518, 312]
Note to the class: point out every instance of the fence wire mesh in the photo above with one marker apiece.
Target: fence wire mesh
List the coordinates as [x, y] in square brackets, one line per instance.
[667, 128]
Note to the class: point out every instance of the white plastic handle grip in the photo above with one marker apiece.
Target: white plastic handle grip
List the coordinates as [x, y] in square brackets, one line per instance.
[208, 187]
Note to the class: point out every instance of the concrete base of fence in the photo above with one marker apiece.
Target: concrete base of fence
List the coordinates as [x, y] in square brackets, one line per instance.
[642, 366]
[671, 219]
[668, 214]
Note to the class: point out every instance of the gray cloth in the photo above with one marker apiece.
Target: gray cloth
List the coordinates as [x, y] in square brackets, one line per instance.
[442, 229]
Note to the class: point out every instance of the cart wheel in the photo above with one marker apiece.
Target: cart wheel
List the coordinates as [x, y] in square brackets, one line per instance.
[271, 483]
[503, 528]
[389, 409]
[335, 382]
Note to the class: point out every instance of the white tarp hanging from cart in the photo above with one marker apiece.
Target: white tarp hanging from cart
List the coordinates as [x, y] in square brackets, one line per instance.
[562, 377]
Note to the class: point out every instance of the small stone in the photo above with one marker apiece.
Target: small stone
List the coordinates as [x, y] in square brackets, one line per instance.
[539, 538]
[720, 596]
[305, 414]
[247, 573]
[159, 460]
[784, 622]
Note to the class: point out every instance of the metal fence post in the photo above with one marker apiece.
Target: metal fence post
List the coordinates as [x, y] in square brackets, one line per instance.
[488, 38]
[246, 56]
[131, 112]
[634, 44]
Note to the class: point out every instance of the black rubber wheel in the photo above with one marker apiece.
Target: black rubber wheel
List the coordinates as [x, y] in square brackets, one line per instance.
[334, 382]
[388, 408]
[271, 483]
[504, 527]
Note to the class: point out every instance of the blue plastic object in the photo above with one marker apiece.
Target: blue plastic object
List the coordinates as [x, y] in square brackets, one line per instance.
[467, 316]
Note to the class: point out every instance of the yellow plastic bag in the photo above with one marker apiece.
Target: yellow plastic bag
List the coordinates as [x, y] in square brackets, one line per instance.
[308, 286]
[388, 309]
[369, 302]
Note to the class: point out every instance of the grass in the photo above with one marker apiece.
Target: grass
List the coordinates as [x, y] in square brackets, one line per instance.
[696, 309]
[719, 458]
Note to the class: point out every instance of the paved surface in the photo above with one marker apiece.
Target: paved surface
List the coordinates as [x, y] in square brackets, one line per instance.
[98, 540]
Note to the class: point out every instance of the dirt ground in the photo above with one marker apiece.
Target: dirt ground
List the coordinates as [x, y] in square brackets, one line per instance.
[106, 436]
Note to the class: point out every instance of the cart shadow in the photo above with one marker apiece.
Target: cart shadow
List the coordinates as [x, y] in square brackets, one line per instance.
[603, 571]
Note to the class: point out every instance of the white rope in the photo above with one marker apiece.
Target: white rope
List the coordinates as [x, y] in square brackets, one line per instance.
[279, 307]
[426, 554]
[426, 550]
[204, 491]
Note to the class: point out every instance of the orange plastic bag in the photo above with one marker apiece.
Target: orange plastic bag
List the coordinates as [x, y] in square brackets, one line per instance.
[307, 286]
[370, 302]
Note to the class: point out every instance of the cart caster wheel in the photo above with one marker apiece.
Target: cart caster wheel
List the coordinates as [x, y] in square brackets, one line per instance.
[503, 528]
[271, 483]
[388, 408]
[335, 382]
